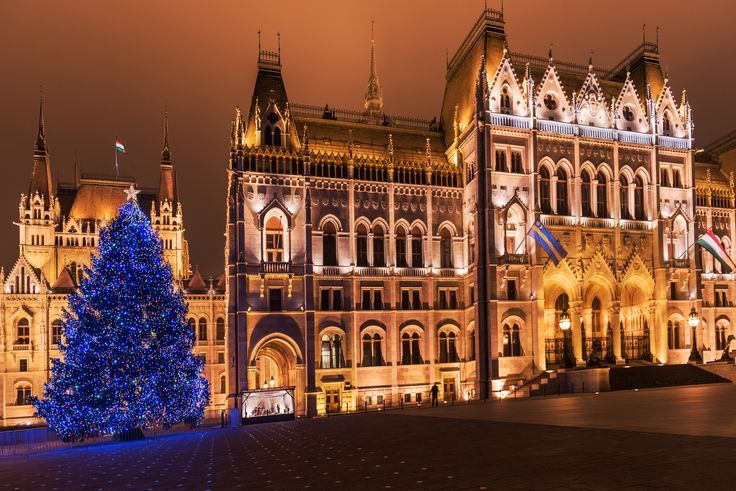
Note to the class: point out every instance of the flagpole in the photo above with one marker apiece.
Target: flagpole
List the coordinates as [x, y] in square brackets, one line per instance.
[696, 241]
[115, 147]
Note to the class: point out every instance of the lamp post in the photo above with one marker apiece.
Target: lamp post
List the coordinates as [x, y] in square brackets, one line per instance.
[694, 321]
[565, 324]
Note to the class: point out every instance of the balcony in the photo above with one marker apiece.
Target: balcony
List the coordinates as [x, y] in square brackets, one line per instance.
[515, 258]
[678, 143]
[556, 127]
[411, 272]
[679, 263]
[22, 345]
[371, 271]
[275, 268]
[510, 121]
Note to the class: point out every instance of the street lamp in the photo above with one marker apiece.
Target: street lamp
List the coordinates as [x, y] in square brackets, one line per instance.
[565, 324]
[694, 321]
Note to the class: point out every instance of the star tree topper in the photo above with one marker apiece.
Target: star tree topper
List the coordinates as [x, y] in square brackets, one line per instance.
[132, 193]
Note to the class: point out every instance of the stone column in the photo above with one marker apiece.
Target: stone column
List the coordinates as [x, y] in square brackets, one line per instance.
[615, 318]
[577, 342]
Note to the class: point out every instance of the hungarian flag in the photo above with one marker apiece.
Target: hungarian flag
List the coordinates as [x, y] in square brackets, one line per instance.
[712, 244]
[119, 147]
[548, 242]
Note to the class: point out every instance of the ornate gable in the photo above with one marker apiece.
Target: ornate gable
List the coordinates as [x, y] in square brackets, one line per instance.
[630, 114]
[552, 103]
[590, 105]
[506, 95]
[669, 121]
[24, 278]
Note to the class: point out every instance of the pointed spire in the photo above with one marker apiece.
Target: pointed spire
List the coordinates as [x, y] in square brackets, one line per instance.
[306, 138]
[40, 148]
[590, 61]
[165, 152]
[549, 54]
[351, 145]
[390, 147]
[373, 95]
[428, 151]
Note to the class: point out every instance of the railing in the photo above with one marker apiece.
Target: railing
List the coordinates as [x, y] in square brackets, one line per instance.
[20, 346]
[595, 222]
[631, 137]
[411, 272]
[510, 121]
[371, 271]
[275, 267]
[332, 270]
[445, 272]
[671, 142]
[556, 127]
[353, 116]
[600, 133]
[554, 350]
[634, 225]
[558, 220]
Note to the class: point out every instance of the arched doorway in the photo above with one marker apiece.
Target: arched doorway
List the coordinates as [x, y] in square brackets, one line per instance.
[635, 322]
[275, 365]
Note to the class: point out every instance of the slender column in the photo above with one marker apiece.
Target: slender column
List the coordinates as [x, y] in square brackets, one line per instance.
[615, 316]
[577, 344]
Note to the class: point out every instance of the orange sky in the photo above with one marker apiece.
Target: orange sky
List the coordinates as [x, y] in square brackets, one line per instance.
[108, 68]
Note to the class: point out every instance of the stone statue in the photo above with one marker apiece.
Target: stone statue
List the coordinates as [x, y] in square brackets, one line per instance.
[594, 358]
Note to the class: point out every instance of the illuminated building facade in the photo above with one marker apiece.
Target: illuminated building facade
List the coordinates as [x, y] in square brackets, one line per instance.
[370, 256]
[59, 232]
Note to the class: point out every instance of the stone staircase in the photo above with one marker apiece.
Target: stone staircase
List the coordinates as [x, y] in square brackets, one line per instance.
[643, 377]
[724, 369]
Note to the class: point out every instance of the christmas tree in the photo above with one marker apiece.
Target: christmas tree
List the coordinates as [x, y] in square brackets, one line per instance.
[127, 361]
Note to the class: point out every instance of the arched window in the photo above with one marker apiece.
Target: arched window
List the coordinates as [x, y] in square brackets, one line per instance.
[372, 352]
[23, 394]
[223, 384]
[448, 348]
[274, 240]
[471, 246]
[596, 317]
[277, 137]
[585, 194]
[505, 100]
[55, 332]
[379, 258]
[445, 249]
[202, 329]
[664, 177]
[673, 335]
[511, 340]
[721, 341]
[401, 248]
[267, 136]
[601, 190]
[329, 245]
[544, 191]
[666, 125]
[417, 259]
[624, 195]
[410, 351]
[561, 191]
[361, 246]
[23, 331]
[220, 329]
[192, 323]
[471, 345]
[332, 355]
[562, 305]
[639, 198]
[501, 164]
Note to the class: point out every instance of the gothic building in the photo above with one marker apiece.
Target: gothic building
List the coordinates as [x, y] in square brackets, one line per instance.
[59, 231]
[370, 256]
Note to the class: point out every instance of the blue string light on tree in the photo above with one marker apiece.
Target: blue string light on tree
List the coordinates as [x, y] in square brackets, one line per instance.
[127, 361]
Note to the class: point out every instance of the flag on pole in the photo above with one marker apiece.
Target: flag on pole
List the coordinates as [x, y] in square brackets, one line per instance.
[119, 147]
[712, 244]
[547, 241]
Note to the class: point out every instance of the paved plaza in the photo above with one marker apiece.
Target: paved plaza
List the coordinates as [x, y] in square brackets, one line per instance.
[662, 438]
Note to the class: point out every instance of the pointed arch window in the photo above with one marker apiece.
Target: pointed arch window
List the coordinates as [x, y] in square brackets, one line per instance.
[277, 137]
[410, 350]
[448, 347]
[220, 329]
[417, 256]
[445, 249]
[274, 240]
[505, 100]
[596, 317]
[329, 245]
[666, 125]
[192, 323]
[561, 191]
[601, 190]
[202, 329]
[664, 177]
[545, 200]
[511, 340]
[372, 352]
[501, 164]
[55, 332]
[401, 248]
[673, 334]
[361, 246]
[639, 198]
[332, 354]
[562, 306]
[379, 242]
[585, 194]
[624, 196]
[267, 136]
[223, 384]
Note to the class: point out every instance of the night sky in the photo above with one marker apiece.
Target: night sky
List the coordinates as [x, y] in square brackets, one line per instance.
[109, 68]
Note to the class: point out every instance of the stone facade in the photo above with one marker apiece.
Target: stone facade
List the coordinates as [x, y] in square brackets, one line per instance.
[371, 256]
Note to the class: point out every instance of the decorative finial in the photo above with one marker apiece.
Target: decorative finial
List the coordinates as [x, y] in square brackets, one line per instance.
[351, 144]
[165, 153]
[390, 146]
[41, 137]
[549, 54]
[373, 102]
[306, 137]
[132, 193]
[505, 47]
[278, 40]
[656, 39]
[590, 61]
[428, 150]
[259, 41]
[707, 176]
[730, 179]
[643, 33]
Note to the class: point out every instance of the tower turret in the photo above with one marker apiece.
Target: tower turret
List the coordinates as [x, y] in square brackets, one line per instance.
[373, 93]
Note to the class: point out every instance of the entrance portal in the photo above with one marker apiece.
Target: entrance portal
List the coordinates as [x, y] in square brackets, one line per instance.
[449, 389]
